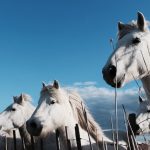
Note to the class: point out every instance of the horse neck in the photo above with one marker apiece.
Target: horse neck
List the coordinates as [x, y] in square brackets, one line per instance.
[146, 86]
[25, 135]
[23, 130]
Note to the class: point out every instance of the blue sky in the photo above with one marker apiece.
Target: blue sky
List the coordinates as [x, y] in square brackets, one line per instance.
[64, 40]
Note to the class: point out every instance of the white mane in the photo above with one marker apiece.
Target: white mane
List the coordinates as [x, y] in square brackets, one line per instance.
[78, 108]
[27, 97]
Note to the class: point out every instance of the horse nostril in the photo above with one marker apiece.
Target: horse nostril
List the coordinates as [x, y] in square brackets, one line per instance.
[33, 125]
[112, 71]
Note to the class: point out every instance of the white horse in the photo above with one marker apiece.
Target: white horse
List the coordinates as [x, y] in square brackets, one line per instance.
[58, 108]
[143, 117]
[131, 58]
[15, 117]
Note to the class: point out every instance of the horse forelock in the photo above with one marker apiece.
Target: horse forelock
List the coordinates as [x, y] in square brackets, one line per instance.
[27, 97]
[48, 88]
[127, 29]
[51, 91]
[78, 108]
[132, 26]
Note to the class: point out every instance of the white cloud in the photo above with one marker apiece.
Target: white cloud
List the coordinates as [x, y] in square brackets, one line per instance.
[89, 91]
[88, 83]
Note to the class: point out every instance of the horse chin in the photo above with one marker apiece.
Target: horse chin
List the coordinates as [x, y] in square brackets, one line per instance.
[120, 82]
[118, 85]
[33, 133]
[44, 133]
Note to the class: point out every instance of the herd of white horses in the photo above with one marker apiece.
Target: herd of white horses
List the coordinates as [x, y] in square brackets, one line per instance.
[59, 108]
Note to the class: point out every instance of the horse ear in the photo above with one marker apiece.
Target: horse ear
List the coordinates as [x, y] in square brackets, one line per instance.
[15, 99]
[140, 99]
[140, 21]
[18, 100]
[120, 26]
[43, 84]
[21, 99]
[56, 84]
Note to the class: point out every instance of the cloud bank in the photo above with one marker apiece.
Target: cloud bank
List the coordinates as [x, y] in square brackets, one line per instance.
[101, 101]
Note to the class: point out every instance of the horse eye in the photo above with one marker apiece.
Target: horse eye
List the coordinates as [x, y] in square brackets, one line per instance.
[136, 40]
[13, 109]
[52, 102]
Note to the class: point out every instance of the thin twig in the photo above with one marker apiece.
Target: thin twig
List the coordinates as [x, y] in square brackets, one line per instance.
[113, 135]
[86, 121]
[132, 133]
[126, 126]
[116, 103]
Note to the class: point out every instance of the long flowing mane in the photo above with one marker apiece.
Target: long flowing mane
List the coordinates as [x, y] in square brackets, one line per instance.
[26, 97]
[79, 109]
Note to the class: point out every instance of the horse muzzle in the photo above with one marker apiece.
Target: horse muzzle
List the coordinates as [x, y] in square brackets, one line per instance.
[109, 75]
[34, 127]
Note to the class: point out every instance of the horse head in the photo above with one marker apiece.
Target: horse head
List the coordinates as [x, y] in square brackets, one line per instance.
[52, 112]
[15, 115]
[131, 56]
